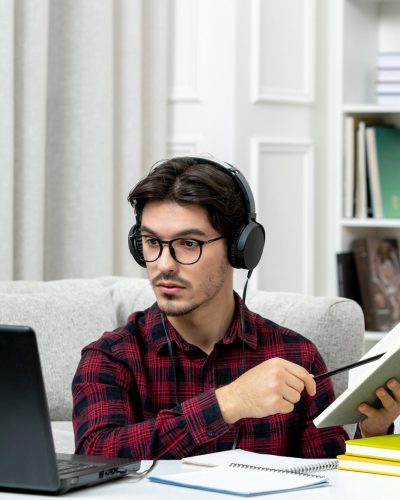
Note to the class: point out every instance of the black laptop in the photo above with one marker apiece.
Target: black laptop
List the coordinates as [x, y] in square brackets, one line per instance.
[27, 457]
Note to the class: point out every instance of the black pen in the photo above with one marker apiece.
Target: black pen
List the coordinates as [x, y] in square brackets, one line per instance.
[348, 367]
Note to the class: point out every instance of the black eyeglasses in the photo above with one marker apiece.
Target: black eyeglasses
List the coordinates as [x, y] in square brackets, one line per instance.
[183, 250]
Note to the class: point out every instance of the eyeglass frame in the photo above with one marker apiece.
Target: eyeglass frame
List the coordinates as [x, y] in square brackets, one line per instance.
[163, 243]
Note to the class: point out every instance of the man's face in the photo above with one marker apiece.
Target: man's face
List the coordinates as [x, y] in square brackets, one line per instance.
[181, 289]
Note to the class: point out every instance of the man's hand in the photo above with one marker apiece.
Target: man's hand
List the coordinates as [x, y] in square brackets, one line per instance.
[271, 387]
[379, 420]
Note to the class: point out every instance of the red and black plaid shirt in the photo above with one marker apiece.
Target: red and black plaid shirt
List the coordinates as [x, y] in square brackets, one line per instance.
[124, 393]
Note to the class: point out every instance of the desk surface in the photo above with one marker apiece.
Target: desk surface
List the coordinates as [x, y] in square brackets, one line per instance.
[344, 485]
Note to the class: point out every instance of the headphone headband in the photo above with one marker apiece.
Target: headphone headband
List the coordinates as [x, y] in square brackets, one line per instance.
[246, 246]
[237, 177]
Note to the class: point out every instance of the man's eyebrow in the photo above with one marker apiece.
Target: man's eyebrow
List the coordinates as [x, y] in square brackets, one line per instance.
[193, 231]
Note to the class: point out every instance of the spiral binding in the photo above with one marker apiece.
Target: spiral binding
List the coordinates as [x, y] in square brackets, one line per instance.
[300, 470]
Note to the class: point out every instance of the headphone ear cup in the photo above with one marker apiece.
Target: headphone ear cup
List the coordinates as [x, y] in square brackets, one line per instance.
[135, 245]
[233, 252]
[247, 246]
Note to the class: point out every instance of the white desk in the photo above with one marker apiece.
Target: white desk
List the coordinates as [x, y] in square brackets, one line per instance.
[344, 486]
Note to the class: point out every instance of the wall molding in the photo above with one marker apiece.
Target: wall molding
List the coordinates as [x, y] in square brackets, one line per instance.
[261, 93]
[182, 146]
[304, 149]
[186, 53]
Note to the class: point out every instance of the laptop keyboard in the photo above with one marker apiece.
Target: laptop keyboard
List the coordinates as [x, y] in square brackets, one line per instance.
[67, 467]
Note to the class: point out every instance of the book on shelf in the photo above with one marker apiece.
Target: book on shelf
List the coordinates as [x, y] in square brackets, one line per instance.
[383, 152]
[386, 75]
[388, 59]
[348, 285]
[388, 98]
[373, 172]
[388, 78]
[392, 87]
[254, 474]
[385, 447]
[378, 270]
[363, 382]
[349, 166]
[370, 465]
[361, 189]
[355, 172]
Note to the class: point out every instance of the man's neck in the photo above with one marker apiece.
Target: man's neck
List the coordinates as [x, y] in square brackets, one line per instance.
[208, 324]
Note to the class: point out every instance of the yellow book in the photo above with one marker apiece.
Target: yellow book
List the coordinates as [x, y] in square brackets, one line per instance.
[382, 447]
[371, 465]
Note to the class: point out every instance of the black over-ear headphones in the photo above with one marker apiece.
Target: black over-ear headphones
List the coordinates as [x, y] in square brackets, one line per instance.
[246, 246]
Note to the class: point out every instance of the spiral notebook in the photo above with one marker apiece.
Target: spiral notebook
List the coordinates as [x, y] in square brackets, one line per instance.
[288, 464]
[242, 480]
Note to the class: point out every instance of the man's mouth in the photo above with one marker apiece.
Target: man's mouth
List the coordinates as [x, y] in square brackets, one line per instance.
[169, 287]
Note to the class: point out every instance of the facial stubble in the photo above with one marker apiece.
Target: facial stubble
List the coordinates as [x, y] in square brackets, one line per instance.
[211, 287]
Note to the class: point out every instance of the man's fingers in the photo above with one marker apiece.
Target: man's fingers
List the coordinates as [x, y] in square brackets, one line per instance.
[394, 386]
[304, 377]
[367, 410]
[295, 383]
[311, 386]
[389, 403]
[291, 395]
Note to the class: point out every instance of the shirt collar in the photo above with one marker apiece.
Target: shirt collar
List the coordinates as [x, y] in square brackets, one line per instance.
[249, 336]
[235, 332]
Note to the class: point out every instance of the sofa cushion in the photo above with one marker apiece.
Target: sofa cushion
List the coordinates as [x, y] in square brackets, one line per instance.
[64, 321]
[62, 285]
[131, 295]
[63, 436]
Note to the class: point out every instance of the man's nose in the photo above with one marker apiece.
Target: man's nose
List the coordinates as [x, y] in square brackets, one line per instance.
[166, 262]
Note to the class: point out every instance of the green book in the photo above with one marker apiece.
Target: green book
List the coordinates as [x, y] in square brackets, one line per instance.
[383, 447]
[383, 152]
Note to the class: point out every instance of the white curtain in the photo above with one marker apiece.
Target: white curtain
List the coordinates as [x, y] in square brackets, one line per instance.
[82, 118]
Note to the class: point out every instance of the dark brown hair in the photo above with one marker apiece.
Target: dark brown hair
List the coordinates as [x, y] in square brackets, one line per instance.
[185, 181]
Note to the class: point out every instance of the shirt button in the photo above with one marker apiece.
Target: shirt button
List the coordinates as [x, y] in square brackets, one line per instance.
[210, 433]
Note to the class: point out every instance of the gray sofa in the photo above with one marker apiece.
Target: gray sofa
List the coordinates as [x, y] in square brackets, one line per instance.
[68, 314]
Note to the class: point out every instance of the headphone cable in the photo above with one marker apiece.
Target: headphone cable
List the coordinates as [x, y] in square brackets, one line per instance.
[172, 358]
[243, 328]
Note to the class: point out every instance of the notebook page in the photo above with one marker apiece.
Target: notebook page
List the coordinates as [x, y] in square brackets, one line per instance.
[259, 460]
[240, 481]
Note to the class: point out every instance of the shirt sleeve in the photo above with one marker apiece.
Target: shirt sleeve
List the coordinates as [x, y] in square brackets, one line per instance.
[107, 421]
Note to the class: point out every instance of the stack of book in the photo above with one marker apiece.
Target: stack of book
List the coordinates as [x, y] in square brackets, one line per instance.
[371, 175]
[388, 78]
[377, 455]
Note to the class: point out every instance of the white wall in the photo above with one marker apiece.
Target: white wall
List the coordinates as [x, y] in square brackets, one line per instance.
[247, 84]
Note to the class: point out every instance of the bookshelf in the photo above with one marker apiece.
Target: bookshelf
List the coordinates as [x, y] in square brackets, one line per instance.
[360, 29]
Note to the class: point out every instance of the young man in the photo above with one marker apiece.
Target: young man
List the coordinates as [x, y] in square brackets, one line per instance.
[184, 377]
